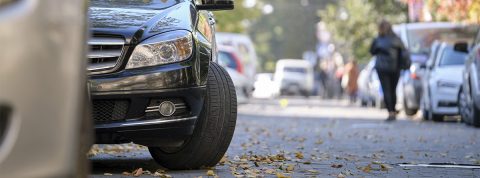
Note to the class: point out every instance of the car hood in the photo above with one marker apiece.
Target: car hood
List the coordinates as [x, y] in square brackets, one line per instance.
[451, 73]
[140, 22]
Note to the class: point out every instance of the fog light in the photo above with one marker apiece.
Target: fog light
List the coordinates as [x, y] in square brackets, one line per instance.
[166, 108]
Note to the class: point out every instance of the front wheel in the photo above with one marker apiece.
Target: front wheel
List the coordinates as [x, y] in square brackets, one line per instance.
[409, 111]
[214, 128]
[468, 109]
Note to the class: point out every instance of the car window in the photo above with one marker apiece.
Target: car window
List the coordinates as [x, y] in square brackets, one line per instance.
[149, 4]
[420, 40]
[452, 57]
[227, 60]
[295, 70]
[434, 54]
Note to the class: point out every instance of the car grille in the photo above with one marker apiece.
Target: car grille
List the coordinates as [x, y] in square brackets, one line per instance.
[109, 110]
[104, 54]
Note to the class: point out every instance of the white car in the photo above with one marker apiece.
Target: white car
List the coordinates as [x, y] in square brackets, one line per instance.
[442, 81]
[369, 88]
[229, 59]
[244, 47]
[263, 86]
[294, 77]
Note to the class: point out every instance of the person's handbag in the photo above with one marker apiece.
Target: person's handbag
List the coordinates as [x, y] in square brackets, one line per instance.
[404, 62]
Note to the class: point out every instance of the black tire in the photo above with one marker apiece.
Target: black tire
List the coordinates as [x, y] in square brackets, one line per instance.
[425, 114]
[214, 128]
[409, 111]
[468, 109]
[436, 117]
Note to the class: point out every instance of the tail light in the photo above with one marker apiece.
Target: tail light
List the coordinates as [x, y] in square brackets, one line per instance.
[414, 76]
[238, 63]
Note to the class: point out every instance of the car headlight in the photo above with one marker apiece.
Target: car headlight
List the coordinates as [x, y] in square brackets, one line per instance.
[446, 84]
[161, 49]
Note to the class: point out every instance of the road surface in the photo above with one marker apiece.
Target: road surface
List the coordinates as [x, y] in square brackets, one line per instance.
[313, 138]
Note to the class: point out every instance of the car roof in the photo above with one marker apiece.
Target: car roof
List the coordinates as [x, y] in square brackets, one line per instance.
[426, 25]
[293, 63]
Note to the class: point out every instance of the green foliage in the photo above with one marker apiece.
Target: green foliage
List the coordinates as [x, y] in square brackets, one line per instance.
[236, 20]
[354, 32]
[287, 32]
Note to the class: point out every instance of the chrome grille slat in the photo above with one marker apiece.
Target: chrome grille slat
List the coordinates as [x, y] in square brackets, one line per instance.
[101, 66]
[104, 53]
[105, 41]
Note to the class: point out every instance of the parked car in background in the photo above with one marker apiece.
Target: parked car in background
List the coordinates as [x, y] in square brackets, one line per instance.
[442, 82]
[155, 80]
[244, 47]
[264, 86]
[45, 126]
[294, 77]
[418, 38]
[228, 58]
[469, 97]
[369, 88]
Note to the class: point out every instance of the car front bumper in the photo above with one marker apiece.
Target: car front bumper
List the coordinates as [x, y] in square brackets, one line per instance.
[445, 101]
[121, 102]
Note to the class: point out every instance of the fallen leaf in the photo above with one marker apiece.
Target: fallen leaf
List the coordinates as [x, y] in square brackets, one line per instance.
[367, 168]
[311, 171]
[137, 172]
[270, 171]
[336, 166]
[290, 167]
[126, 173]
[384, 167]
[341, 175]
[299, 155]
[107, 174]
[210, 173]
[280, 175]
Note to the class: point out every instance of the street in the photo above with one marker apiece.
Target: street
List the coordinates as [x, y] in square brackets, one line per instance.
[298, 137]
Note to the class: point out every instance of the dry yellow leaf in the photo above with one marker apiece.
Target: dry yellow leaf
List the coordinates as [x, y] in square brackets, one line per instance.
[290, 167]
[280, 175]
[299, 155]
[210, 173]
[270, 171]
[138, 172]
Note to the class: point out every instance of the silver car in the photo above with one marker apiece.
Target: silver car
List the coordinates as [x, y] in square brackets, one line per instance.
[43, 119]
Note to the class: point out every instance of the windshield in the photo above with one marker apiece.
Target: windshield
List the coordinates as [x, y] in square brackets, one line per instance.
[227, 60]
[149, 4]
[451, 57]
[295, 70]
[420, 40]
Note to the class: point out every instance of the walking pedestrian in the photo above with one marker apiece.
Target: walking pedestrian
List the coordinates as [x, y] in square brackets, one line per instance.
[350, 78]
[391, 58]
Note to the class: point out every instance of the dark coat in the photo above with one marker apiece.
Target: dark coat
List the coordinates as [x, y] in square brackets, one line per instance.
[391, 55]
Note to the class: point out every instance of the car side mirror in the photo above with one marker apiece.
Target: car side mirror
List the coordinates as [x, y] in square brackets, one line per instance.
[429, 65]
[461, 47]
[215, 5]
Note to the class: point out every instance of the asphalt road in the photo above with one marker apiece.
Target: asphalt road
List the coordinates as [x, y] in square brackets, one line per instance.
[313, 138]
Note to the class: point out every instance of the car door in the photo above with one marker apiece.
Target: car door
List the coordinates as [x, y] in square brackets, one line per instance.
[429, 73]
[472, 70]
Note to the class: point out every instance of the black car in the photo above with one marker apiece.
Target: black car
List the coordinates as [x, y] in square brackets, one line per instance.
[154, 80]
[469, 97]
